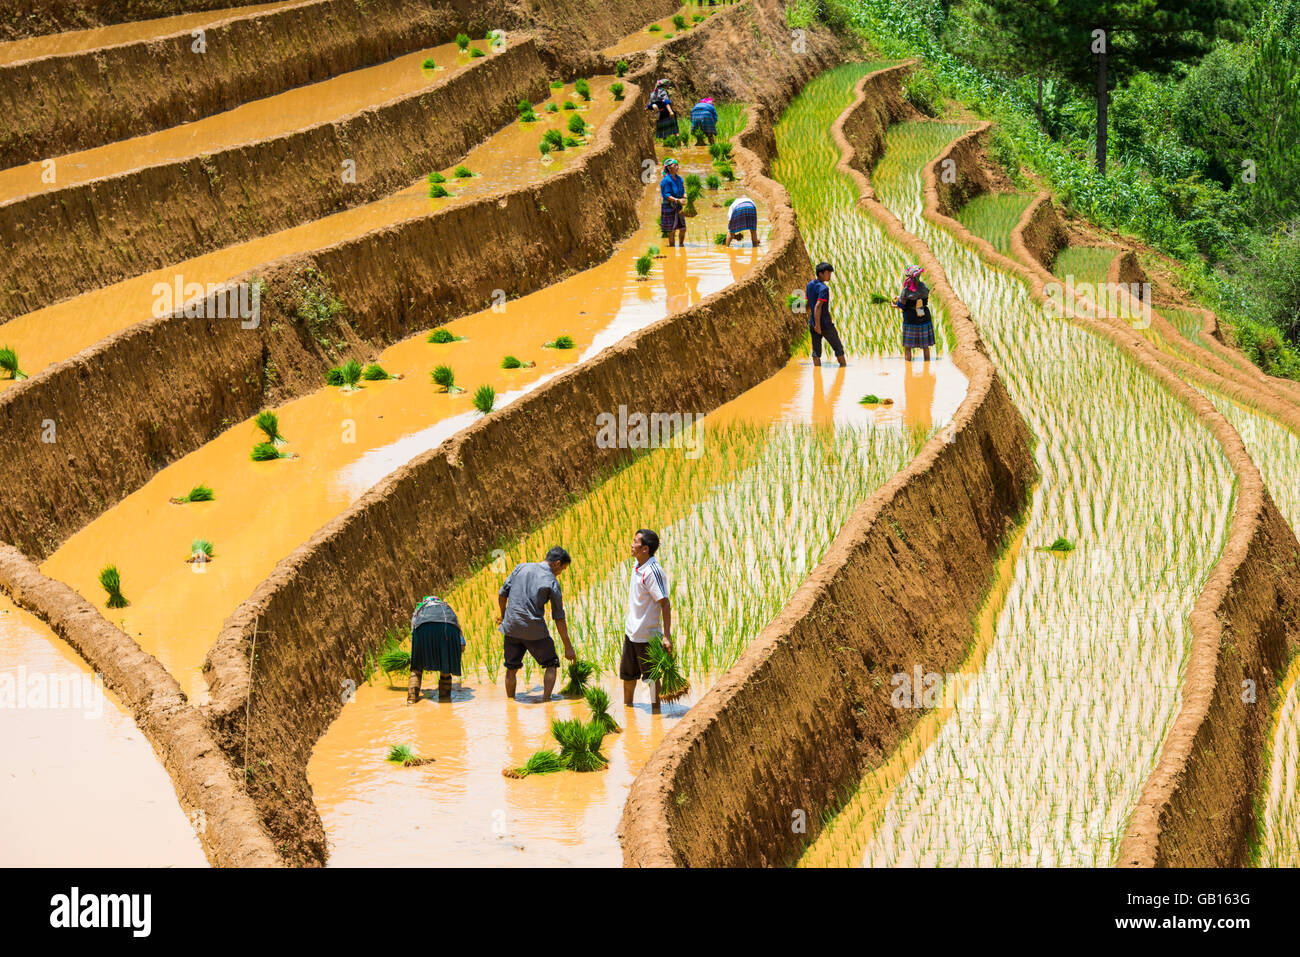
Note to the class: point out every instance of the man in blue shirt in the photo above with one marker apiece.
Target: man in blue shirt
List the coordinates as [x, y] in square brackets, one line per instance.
[672, 202]
[819, 316]
[523, 600]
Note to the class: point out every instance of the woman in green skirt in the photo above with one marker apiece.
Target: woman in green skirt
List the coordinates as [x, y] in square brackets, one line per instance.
[436, 644]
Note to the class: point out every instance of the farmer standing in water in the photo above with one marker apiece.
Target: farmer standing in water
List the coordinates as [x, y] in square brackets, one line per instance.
[672, 203]
[914, 301]
[649, 613]
[523, 599]
[820, 323]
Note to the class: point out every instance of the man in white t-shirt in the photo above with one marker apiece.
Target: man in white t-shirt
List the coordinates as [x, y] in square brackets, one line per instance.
[649, 612]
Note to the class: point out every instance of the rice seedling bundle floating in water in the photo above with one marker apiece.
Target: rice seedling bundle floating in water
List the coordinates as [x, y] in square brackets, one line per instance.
[375, 373]
[9, 363]
[598, 702]
[547, 761]
[514, 362]
[462, 172]
[571, 143]
[577, 125]
[679, 21]
[476, 52]
[200, 493]
[462, 41]
[616, 90]
[438, 191]
[111, 581]
[643, 264]
[570, 105]
[583, 88]
[665, 670]
[552, 108]
[444, 377]
[654, 28]
[485, 397]
[266, 452]
[269, 423]
[334, 376]
[580, 743]
[560, 342]
[436, 177]
[429, 63]
[351, 370]
[201, 547]
[620, 68]
[441, 336]
[870, 399]
[580, 672]
[713, 181]
[555, 138]
[405, 755]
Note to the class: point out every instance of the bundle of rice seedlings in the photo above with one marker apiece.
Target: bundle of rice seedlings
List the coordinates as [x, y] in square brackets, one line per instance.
[570, 105]
[485, 397]
[598, 702]
[112, 582]
[694, 186]
[654, 28]
[429, 64]
[724, 151]
[621, 68]
[351, 370]
[720, 239]
[438, 191]
[9, 362]
[393, 659]
[524, 108]
[405, 755]
[265, 452]
[726, 172]
[547, 761]
[582, 88]
[200, 493]
[200, 546]
[713, 182]
[870, 399]
[444, 377]
[555, 138]
[512, 362]
[436, 177]
[476, 52]
[462, 172]
[269, 423]
[462, 41]
[580, 672]
[1061, 546]
[545, 147]
[671, 141]
[375, 372]
[571, 142]
[334, 376]
[653, 251]
[679, 21]
[616, 89]
[577, 125]
[559, 342]
[698, 18]
[552, 108]
[580, 743]
[665, 670]
[643, 264]
[557, 84]
[715, 150]
[441, 336]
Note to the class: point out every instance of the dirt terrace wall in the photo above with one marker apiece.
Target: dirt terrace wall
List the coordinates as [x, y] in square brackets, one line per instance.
[154, 392]
[60, 104]
[805, 711]
[1196, 808]
[232, 835]
[426, 524]
[82, 237]
[25, 18]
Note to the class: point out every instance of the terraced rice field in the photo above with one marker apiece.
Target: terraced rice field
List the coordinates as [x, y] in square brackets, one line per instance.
[992, 216]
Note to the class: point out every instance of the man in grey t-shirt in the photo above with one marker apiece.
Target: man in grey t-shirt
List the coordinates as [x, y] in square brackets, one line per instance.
[523, 598]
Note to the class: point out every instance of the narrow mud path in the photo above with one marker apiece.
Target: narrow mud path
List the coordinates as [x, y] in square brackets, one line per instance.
[507, 159]
[1049, 746]
[71, 754]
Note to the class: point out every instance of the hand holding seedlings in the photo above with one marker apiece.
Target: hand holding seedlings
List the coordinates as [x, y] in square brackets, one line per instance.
[649, 615]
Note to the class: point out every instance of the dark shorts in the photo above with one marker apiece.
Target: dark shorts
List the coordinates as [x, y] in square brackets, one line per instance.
[635, 662]
[832, 337]
[542, 650]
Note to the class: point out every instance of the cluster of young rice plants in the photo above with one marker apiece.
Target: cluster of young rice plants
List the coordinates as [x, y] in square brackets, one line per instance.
[1276, 450]
[1186, 322]
[1084, 263]
[738, 531]
[1044, 756]
[834, 227]
[992, 216]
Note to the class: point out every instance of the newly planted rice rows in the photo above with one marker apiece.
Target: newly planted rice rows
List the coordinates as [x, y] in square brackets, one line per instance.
[834, 228]
[1084, 263]
[992, 216]
[738, 532]
[1048, 747]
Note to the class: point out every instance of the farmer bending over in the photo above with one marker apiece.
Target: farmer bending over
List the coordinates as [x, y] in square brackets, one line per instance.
[819, 317]
[436, 644]
[742, 217]
[672, 203]
[523, 600]
[704, 120]
[649, 613]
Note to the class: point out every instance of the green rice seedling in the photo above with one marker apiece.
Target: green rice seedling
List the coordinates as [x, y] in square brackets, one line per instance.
[524, 108]
[544, 147]
[436, 177]
[654, 28]
[577, 125]
[9, 363]
[438, 191]
[546, 761]
[571, 143]
[394, 659]
[201, 546]
[375, 373]
[580, 672]
[112, 583]
[570, 105]
[513, 362]
[870, 399]
[443, 376]
[462, 172]
[679, 21]
[583, 88]
[616, 91]
[672, 141]
[352, 370]
[643, 264]
[652, 251]
[1062, 545]
[485, 397]
[269, 423]
[878, 300]
[713, 181]
[555, 138]
[726, 171]
[200, 493]
[442, 336]
[475, 52]
[580, 743]
[598, 702]
[694, 185]
[698, 18]
[334, 376]
[620, 68]
[405, 755]
[266, 452]
[429, 64]
[560, 342]
[557, 84]
[665, 670]
[462, 41]
[715, 150]
[719, 239]
[992, 216]
[552, 108]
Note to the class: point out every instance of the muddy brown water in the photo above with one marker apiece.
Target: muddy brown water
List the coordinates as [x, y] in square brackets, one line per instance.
[507, 159]
[647, 39]
[347, 442]
[263, 119]
[82, 787]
